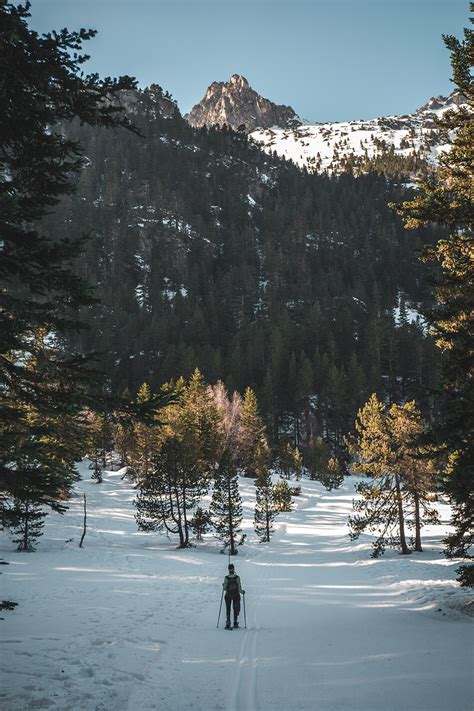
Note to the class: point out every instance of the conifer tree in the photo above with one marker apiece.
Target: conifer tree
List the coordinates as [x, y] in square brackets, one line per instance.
[282, 496]
[27, 521]
[321, 465]
[380, 509]
[253, 446]
[420, 476]
[226, 504]
[404, 479]
[298, 464]
[182, 468]
[170, 492]
[125, 443]
[99, 442]
[289, 460]
[445, 198]
[42, 391]
[265, 509]
[145, 440]
[41, 449]
[200, 522]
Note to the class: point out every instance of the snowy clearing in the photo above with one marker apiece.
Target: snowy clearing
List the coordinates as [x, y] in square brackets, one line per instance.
[129, 621]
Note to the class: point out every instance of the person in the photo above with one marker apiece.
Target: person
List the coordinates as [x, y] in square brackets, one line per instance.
[233, 590]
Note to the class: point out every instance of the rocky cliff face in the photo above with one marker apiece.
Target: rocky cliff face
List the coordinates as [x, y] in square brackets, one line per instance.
[236, 104]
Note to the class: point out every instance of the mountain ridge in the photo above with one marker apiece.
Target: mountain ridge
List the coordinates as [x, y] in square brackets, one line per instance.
[235, 104]
[353, 146]
[411, 141]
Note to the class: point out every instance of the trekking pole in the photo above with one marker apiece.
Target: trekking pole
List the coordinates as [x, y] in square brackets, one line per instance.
[220, 608]
[245, 614]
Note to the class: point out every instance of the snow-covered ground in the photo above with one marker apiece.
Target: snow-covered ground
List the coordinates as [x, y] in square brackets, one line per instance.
[325, 147]
[129, 621]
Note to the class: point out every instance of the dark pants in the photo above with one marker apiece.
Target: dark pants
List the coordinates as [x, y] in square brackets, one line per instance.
[232, 598]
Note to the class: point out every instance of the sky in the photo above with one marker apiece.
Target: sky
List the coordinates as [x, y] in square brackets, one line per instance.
[331, 60]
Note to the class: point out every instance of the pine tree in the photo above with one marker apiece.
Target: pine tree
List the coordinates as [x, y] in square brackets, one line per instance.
[182, 462]
[44, 389]
[41, 449]
[125, 443]
[265, 509]
[446, 199]
[170, 492]
[200, 523]
[201, 418]
[417, 465]
[27, 521]
[145, 440]
[321, 466]
[99, 442]
[289, 460]
[298, 464]
[282, 496]
[226, 504]
[380, 509]
[253, 446]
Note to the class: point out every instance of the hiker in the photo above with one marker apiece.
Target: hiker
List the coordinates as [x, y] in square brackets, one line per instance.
[233, 590]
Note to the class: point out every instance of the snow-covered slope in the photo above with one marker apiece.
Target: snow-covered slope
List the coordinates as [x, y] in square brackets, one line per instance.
[129, 621]
[332, 146]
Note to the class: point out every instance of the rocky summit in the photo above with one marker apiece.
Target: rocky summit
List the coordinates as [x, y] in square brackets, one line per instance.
[240, 107]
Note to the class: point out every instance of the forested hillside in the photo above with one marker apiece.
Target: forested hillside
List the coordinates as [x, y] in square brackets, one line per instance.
[205, 252]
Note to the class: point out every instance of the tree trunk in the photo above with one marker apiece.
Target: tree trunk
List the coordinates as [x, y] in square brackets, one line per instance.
[85, 523]
[401, 518]
[231, 524]
[182, 542]
[26, 531]
[418, 547]
[185, 520]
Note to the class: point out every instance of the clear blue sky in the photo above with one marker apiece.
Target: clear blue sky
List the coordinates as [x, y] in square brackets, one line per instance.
[329, 59]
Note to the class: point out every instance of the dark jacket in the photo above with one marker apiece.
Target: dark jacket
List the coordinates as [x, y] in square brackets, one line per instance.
[225, 584]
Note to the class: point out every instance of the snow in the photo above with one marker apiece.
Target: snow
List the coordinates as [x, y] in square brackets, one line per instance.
[129, 621]
[411, 312]
[324, 147]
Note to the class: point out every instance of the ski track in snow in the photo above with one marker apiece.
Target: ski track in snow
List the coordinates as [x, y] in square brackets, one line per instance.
[128, 623]
[244, 691]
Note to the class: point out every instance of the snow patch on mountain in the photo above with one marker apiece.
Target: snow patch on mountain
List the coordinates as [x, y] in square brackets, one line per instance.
[329, 147]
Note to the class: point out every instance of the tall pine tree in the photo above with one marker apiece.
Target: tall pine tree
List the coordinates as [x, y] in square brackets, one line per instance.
[226, 504]
[380, 508]
[446, 199]
[43, 86]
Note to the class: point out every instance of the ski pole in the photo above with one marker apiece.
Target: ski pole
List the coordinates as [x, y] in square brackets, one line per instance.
[245, 614]
[220, 608]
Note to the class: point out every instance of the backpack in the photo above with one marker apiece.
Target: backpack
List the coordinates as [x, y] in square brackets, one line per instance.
[232, 587]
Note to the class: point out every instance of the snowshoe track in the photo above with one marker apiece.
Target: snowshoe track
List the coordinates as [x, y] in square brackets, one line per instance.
[244, 689]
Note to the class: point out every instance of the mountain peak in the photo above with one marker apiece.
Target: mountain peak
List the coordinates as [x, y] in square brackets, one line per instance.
[235, 104]
[239, 81]
[441, 103]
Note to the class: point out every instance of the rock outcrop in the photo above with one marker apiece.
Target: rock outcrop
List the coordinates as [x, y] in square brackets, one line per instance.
[237, 105]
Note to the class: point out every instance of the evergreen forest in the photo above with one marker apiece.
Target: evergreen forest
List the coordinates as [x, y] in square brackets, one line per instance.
[178, 299]
[204, 252]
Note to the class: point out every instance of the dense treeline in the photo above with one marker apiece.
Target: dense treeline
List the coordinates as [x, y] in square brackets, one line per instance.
[43, 386]
[447, 199]
[200, 441]
[207, 253]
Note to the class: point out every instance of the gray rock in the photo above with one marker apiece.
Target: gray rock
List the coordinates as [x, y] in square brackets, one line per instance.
[237, 105]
